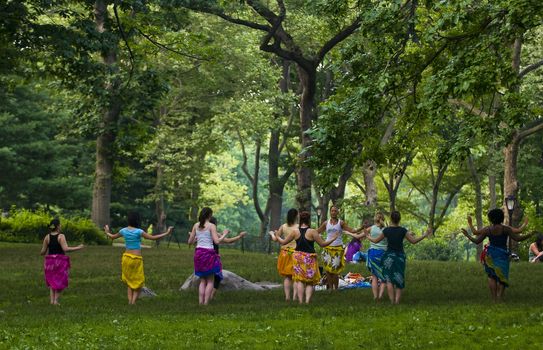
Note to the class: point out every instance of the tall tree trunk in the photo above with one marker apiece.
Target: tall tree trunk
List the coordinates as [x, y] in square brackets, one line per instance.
[101, 194]
[370, 170]
[510, 185]
[307, 115]
[478, 198]
[492, 191]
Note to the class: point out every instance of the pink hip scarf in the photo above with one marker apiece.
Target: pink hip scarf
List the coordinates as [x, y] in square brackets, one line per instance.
[57, 269]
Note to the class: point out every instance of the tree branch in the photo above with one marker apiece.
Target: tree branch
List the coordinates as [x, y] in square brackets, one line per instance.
[244, 164]
[418, 189]
[339, 37]
[471, 108]
[530, 129]
[530, 68]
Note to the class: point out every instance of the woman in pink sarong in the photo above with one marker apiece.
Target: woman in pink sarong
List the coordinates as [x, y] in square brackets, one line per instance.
[57, 264]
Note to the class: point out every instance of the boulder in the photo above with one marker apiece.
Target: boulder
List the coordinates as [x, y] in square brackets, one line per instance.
[231, 281]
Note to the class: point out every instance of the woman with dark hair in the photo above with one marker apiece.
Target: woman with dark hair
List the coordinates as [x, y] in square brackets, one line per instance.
[207, 263]
[56, 265]
[132, 261]
[217, 278]
[535, 254]
[285, 261]
[496, 257]
[306, 269]
[393, 259]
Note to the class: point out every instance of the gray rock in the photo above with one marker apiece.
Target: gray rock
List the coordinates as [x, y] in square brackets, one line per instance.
[231, 281]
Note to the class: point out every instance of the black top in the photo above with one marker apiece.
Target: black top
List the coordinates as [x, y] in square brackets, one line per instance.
[395, 236]
[54, 247]
[303, 244]
[499, 240]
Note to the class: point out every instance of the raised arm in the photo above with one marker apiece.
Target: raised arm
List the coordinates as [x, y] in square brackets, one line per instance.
[44, 245]
[214, 234]
[473, 229]
[476, 239]
[234, 239]
[520, 228]
[347, 228]
[360, 235]
[320, 241]
[109, 234]
[64, 245]
[414, 240]
[155, 237]
[517, 237]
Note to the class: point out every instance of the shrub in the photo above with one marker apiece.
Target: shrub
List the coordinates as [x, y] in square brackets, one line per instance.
[31, 227]
[435, 249]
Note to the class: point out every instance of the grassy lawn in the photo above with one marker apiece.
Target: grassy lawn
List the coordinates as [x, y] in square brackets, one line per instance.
[445, 305]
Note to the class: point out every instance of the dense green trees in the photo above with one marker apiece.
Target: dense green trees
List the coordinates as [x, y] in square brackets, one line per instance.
[432, 108]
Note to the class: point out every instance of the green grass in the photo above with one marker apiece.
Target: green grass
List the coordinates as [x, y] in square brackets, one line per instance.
[445, 305]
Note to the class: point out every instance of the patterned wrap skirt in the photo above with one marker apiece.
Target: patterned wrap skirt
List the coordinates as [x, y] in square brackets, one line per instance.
[374, 263]
[207, 262]
[285, 262]
[132, 271]
[56, 269]
[306, 268]
[394, 268]
[496, 262]
[333, 259]
[353, 247]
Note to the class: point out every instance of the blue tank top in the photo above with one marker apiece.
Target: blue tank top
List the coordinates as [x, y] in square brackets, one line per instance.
[132, 237]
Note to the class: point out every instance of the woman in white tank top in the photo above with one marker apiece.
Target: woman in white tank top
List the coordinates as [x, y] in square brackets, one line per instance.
[207, 263]
[334, 255]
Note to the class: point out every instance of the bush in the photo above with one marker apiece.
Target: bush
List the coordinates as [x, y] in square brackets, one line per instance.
[28, 226]
[435, 249]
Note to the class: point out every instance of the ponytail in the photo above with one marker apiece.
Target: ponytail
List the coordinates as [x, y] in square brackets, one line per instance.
[205, 214]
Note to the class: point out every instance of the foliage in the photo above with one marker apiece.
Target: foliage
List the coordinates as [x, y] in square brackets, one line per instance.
[24, 225]
[440, 249]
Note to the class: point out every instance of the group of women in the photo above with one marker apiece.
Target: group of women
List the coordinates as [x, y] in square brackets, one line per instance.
[297, 263]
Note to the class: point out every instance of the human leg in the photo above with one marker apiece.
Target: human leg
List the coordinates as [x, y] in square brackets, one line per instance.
[308, 293]
[208, 290]
[287, 286]
[382, 287]
[299, 286]
[135, 295]
[51, 296]
[129, 294]
[492, 285]
[398, 295]
[201, 290]
[374, 287]
[390, 291]
[500, 291]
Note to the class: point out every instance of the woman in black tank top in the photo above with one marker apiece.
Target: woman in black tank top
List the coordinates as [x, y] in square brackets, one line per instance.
[495, 256]
[57, 264]
[306, 268]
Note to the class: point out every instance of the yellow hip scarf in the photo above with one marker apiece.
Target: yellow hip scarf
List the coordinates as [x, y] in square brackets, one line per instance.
[132, 271]
[334, 259]
[285, 262]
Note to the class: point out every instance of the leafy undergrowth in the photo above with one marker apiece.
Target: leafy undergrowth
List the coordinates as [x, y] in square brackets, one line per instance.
[445, 305]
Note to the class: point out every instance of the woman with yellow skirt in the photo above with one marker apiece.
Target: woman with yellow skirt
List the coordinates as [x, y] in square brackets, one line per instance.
[132, 261]
[285, 259]
[306, 269]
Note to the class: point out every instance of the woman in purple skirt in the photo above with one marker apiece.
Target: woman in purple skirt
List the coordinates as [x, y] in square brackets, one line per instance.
[207, 263]
[56, 265]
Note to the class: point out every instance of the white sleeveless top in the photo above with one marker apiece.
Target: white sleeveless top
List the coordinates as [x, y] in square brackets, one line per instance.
[331, 230]
[204, 239]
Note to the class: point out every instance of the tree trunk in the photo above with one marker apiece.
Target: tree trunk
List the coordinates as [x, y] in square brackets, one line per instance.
[510, 184]
[307, 115]
[492, 191]
[101, 193]
[478, 198]
[370, 170]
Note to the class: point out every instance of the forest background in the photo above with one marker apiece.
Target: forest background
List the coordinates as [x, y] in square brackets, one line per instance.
[433, 108]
